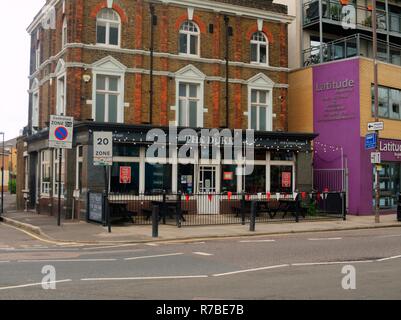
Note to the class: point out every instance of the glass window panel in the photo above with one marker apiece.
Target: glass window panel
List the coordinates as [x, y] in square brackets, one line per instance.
[101, 34]
[263, 54]
[256, 182]
[262, 97]
[383, 102]
[281, 179]
[113, 37]
[183, 43]
[228, 178]
[194, 44]
[253, 118]
[183, 90]
[113, 101]
[101, 83]
[281, 156]
[113, 84]
[100, 107]
[254, 96]
[118, 187]
[395, 101]
[262, 118]
[193, 90]
[186, 178]
[254, 52]
[125, 150]
[193, 110]
[182, 118]
[158, 177]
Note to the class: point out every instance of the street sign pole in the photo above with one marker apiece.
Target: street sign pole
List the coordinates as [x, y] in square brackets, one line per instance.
[59, 187]
[376, 90]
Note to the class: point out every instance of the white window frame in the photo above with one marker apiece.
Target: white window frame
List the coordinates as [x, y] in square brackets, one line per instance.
[188, 36]
[37, 57]
[61, 108]
[187, 100]
[108, 93]
[258, 105]
[109, 67]
[35, 103]
[56, 172]
[45, 163]
[79, 159]
[26, 173]
[191, 75]
[64, 33]
[108, 23]
[264, 83]
[258, 45]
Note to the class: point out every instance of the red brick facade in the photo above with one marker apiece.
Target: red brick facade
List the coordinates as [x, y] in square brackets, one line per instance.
[82, 51]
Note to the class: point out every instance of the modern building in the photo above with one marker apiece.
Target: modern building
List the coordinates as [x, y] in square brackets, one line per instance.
[132, 66]
[331, 93]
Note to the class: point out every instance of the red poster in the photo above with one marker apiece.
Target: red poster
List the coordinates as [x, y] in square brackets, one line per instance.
[228, 176]
[286, 180]
[125, 175]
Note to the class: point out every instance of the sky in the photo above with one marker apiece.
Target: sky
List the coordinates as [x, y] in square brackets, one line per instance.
[14, 65]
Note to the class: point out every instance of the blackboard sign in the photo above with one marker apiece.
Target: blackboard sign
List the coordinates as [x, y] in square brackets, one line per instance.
[96, 207]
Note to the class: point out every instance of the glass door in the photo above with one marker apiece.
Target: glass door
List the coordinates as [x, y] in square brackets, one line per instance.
[208, 199]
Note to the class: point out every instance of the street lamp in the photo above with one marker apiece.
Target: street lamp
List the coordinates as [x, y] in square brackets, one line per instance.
[2, 177]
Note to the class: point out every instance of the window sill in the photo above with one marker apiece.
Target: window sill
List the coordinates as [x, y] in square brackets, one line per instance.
[108, 46]
[260, 64]
[188, 55]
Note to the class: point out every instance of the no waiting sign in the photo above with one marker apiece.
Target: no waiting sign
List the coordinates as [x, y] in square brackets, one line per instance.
[61, 132]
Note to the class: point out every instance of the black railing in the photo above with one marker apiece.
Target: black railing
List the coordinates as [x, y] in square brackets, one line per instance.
[224, 208]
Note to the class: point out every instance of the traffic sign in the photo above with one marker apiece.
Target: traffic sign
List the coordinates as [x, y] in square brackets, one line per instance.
[375, 126]
[371, 141]
[102, 148]
[61, 132]
[375, 158]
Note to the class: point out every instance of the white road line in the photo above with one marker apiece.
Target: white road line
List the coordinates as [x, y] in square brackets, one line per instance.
[33, 284]
[202, 253]
[151, 244]
[329, 263]
[145, 278]
[109, 247]
[251, 270]
[389, 258]
[256, 241]
[70, 260]
[324, 239]
[4, 261]
[154, 256]
[389, 236]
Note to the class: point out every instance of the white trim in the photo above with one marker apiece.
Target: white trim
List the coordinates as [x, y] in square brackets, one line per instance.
[107, 23]
[109, 66]
[263, 83]
[61, 75]
[64, 32]
[35, 103]
[188, 35]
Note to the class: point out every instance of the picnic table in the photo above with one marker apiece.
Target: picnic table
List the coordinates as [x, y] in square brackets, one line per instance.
[169, 208]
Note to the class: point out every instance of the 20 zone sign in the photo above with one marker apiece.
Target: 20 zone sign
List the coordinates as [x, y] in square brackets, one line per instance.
[102, 148]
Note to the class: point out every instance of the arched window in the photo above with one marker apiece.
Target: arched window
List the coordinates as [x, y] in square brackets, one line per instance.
[64, 33]
[189, 38]
[108, 27]
[259, 48]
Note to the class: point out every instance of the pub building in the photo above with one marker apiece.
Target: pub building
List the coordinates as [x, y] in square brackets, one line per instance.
[130, 67]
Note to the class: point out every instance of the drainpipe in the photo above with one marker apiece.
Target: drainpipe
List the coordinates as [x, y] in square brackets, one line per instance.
[226, 20]
[152, 29]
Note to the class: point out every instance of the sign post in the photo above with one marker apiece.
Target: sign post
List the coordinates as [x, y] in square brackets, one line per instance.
[61, 134]
[103, 156]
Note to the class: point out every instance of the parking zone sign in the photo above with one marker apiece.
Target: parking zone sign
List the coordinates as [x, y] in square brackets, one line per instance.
[61, 132]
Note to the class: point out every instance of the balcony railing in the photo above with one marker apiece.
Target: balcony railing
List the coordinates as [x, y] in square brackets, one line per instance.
[333, 10]
[353, 46]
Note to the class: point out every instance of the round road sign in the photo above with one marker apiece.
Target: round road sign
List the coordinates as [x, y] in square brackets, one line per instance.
[61, 133]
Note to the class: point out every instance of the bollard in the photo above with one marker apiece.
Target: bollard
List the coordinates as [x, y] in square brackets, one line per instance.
[155, 222]
[179, 211]
[253, 216]
[297, 207]
[243, 209]
[343, 205]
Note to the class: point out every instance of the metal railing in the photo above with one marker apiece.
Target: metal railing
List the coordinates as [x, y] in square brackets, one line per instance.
[224, 208]
[332, 10]
[353, 46]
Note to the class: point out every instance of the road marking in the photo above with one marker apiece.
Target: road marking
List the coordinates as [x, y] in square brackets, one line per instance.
[202, 253]
[329, 263]
[70, 260]
[151, 244]
[389, 258]
[109, 247]
[154, 256]
[4, 261]
[324, 239]
[145, 278]
[256, 241]
[33, 284]
[389, 236]
[251, 270]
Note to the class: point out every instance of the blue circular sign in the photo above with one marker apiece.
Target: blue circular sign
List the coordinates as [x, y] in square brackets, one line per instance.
[61, 133]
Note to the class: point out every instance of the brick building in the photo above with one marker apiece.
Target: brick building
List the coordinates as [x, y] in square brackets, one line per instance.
[128, 66]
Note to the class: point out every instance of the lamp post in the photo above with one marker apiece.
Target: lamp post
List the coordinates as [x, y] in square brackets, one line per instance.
[376, 104]
[2, 177]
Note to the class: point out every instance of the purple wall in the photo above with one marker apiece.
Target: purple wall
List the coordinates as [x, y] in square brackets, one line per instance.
[337, 121]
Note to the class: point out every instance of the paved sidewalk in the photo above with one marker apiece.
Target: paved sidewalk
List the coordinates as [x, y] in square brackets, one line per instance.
[46, 228]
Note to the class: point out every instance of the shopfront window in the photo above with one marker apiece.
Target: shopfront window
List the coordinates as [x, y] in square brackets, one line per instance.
[281, 179]
[256, 182]
[282, 156]
[390, 186]
[158, 177]
[124, 177]
[228, 178]
[126, 150]
[186, 178]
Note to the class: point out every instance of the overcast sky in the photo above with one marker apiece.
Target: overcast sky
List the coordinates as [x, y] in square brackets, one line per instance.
[14, 65]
